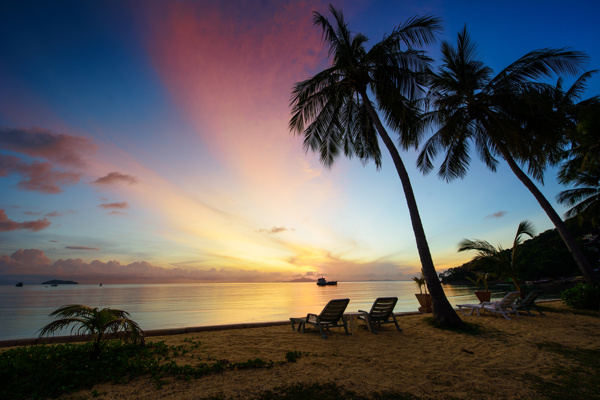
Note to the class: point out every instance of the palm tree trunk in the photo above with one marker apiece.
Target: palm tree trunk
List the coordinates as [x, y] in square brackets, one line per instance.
[561, 227]
[443, 313]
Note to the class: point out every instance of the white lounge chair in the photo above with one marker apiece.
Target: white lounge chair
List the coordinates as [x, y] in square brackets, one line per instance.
[505, 307]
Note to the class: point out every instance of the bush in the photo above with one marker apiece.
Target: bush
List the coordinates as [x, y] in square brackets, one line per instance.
[582, 296]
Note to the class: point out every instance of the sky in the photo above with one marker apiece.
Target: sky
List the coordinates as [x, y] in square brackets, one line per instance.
[148, 142]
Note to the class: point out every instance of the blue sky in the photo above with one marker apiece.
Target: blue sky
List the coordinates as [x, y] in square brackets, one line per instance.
[148, 141]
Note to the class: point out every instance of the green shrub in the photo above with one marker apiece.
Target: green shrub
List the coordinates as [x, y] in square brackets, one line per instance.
[582, 296]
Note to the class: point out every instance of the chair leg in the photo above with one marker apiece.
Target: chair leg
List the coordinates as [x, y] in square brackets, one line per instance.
[323, 335]
[396, 322]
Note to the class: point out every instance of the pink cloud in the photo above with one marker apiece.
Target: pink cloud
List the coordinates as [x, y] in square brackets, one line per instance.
[115, 177]
[231, 71]
[37, 176]
[9, 225]
[120, 205]
[33, 262]
[59, 148]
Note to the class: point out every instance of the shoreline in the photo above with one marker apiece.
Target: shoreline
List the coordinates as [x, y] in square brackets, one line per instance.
[183, 330]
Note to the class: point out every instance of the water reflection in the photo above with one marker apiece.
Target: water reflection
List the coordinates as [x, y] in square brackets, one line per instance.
[24, 310]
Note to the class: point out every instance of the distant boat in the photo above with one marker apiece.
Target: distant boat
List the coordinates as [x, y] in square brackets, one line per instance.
[323, 282]
[100, 283]
[19, 284]
[54, 284]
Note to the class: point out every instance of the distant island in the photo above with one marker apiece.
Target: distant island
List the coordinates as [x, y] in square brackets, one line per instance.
[59, 282]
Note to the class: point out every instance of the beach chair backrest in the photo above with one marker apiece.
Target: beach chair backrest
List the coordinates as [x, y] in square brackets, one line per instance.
[508, 299]
[530, 299]
[383, 307]
[334, 310]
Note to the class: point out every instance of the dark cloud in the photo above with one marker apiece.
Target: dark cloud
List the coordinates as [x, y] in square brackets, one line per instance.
[9, 225]
[37, 176]
[59, 148]
[115, 177]
[275, 229]
[120, 205]
[498, 214]
[82, 248]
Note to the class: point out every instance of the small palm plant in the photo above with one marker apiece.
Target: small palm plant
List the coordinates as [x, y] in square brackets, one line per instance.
[506, 262]
[482, 277]
[420, 281]
[100, 325]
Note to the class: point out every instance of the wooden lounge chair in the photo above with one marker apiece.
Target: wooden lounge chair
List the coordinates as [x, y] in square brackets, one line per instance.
[382, 312]
[505, 307]
[332, 316]
[529, 302]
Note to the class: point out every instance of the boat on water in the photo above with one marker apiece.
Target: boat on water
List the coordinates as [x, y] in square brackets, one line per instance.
[323, 282]
[19, 284]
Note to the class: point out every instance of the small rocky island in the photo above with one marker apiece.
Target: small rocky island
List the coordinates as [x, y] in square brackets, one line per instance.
[59, 282]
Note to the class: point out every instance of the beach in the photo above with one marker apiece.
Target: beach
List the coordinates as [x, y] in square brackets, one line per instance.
[516, 359]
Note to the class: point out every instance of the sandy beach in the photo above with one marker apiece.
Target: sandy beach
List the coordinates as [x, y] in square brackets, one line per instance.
[503, 361]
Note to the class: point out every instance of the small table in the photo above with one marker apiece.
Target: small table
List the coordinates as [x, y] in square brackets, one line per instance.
[352, 321]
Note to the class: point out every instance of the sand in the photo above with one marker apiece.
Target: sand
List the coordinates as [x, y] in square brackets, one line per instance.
[424, 361]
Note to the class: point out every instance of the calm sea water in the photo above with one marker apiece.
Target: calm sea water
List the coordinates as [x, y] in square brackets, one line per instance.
[24, 310]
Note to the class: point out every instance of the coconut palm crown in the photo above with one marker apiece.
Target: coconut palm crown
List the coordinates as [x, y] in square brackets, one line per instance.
[335, 115]
[511, 115]
[100, 325]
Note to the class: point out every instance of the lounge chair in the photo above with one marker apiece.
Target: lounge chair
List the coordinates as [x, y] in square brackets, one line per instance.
[332, 316]
[529, 302]
[505, 307]
[382, 312]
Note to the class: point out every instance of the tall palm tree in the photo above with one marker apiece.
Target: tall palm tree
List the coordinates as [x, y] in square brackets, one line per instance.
[510, 115]
[334, 113]
[506, 263]
[582, 161]
[101, 325]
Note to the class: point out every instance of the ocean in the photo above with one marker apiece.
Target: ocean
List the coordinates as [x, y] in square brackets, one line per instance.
[24, 310]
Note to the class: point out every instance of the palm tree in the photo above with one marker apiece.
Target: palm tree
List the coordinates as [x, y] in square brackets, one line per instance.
[582, 165]
[584, 199]
[509, 115]
[505, 262]
[333, 112]
[101, 325]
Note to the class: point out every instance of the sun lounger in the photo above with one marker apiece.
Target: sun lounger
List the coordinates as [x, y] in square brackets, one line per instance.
[529, 302]
[382, 312]
[505, 307]
[332, 316]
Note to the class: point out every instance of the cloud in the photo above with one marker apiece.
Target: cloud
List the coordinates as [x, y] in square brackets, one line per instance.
[9, 225]
[120, 205]
[82, 248]
[59, 213]
[33, 262]
[115, 177]
[37, 176]
[498, 214]
[275, 229]
[59, 148]
[32, 213]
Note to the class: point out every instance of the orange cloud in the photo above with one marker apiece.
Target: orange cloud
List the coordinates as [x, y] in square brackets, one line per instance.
[9, 225]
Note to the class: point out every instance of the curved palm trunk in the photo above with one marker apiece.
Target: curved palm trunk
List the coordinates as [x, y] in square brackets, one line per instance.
[443, 312]
[561, 227]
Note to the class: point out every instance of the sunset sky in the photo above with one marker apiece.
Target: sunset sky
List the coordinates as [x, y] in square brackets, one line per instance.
[148, 141]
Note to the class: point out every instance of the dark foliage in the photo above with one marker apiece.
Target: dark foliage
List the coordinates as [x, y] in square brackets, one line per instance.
[583, 296]
[544, 256]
